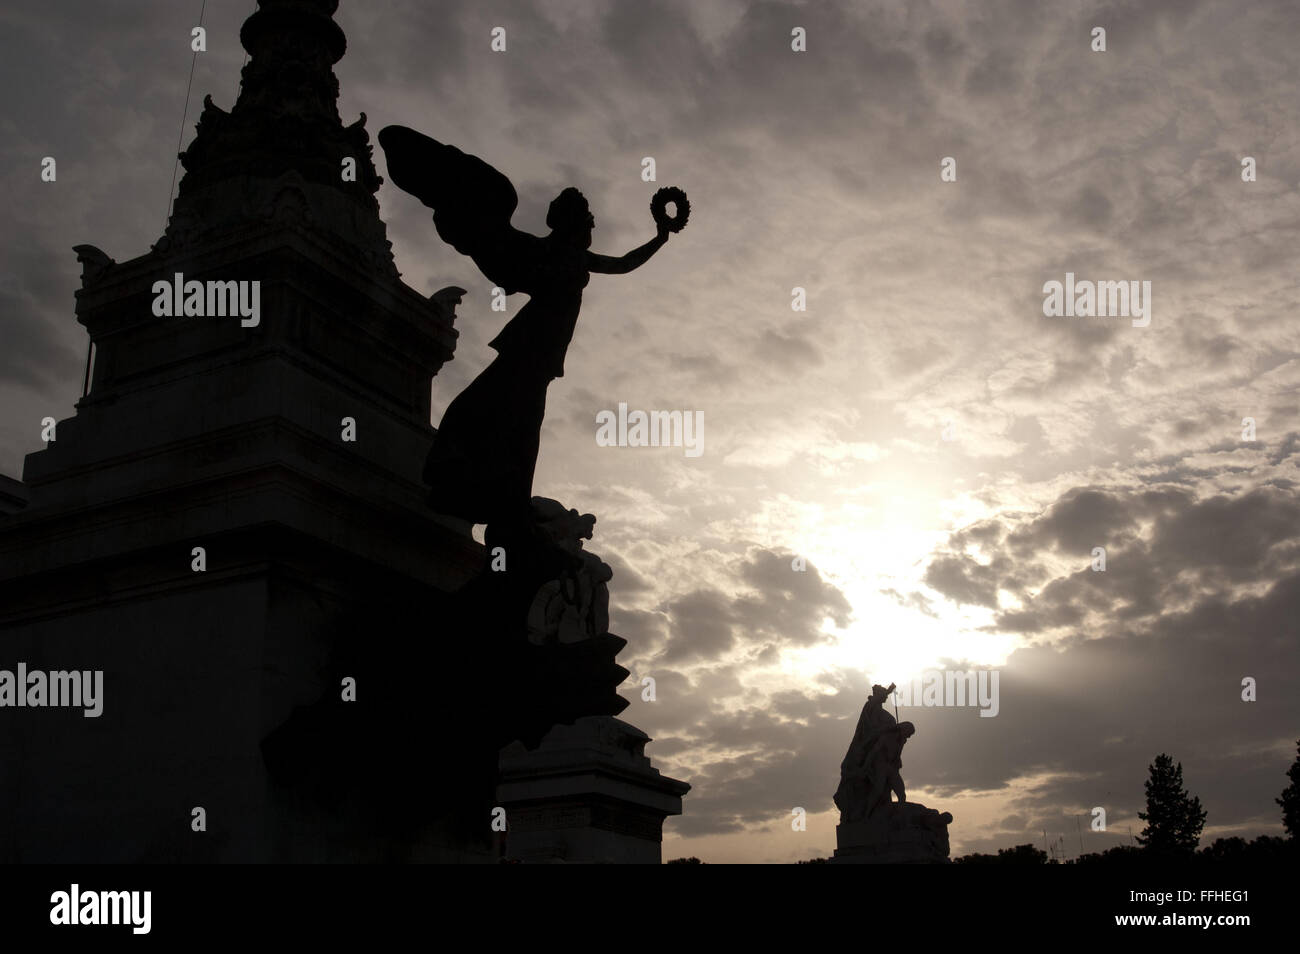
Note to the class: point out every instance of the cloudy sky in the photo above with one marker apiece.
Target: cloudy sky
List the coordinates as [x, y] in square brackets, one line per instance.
[943, 456]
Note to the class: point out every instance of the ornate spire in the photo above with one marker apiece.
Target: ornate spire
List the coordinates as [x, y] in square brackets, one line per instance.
[282, 152]
[292, 44]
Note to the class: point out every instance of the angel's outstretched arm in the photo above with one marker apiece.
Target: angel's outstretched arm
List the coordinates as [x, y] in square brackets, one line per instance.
[610, 265]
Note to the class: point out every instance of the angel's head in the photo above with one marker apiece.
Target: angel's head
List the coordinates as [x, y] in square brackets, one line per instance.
[570, 217]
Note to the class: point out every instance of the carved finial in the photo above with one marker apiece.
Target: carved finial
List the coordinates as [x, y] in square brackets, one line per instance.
[94, 263]
[448, 298]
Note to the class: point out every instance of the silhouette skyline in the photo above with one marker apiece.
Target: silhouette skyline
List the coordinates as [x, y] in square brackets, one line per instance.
[825, 429]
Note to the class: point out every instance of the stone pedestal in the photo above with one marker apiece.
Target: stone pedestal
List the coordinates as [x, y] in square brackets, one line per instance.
[587, 794]
[900, 833]
[203, 436]
[13, 495]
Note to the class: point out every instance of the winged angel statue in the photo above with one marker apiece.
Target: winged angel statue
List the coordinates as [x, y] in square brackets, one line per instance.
[481, 465]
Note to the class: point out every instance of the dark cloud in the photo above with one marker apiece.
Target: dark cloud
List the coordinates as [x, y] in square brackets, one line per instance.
[1232, 536]
[1163, 547]
[788, 604]
[942, 45]
[785, 350]
[775, 602]
[1090, 208]
[34, 355]
[916, 601]
[630, 582]
[702, 626]
[1076, 523]
[995, 74]
[963, 580]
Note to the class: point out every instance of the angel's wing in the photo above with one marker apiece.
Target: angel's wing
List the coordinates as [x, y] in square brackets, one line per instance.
[472, 203]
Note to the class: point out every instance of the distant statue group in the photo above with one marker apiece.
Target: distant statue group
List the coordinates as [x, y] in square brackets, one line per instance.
[873, 828]
[871, 768]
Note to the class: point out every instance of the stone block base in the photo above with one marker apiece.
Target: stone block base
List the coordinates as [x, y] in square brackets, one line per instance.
[588, 794]
[898, 834]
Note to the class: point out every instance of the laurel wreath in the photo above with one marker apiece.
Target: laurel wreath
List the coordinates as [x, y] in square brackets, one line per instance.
[659, 208]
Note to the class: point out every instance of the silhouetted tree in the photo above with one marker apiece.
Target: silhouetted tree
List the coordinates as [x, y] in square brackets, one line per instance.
[1119, 854]
[1025, 854]
[692, 860]
[1290, 800]
[1174, 820]
[1265, 850]
[1232, 849]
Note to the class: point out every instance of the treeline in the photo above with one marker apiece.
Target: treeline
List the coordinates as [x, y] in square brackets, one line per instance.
[1266, 849]
[1175, 820]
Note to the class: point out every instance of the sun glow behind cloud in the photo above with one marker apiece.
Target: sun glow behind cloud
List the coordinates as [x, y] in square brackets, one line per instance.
[867, 550]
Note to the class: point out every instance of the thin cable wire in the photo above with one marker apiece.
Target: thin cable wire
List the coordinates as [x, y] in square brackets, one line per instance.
[180, 139]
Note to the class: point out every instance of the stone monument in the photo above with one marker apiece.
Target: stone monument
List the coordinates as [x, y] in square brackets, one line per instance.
[873, 829]
[588, 792]
[301, 658]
